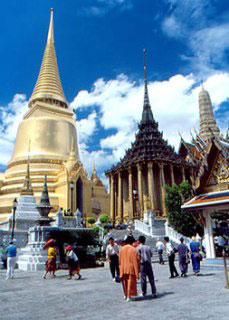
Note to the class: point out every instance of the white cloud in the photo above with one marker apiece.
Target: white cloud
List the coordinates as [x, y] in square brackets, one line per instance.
[86, 127]
[10, 117]
[174, 104]
[193, 23]
[119, 103]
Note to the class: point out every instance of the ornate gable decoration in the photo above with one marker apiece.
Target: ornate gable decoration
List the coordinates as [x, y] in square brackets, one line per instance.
[220, 173]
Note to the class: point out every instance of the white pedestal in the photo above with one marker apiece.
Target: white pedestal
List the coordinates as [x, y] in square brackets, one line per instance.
[32, 256]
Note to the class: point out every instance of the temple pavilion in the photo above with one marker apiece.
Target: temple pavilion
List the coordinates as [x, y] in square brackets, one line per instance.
[210, 151]
[137, 182]
[47, 135]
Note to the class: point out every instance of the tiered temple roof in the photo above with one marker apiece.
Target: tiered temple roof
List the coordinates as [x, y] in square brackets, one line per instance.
[149, 144]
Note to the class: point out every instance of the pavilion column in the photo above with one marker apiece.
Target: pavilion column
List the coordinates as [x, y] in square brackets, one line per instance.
[115, 198]
[120, 213]
[140, 191]
[112, 199]
[162, 186]
[172, 174]
[150, 184]
[208, 235]
[130, 188]
[183, 173]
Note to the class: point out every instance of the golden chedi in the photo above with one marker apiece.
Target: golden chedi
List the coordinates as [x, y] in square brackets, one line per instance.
[49, 128]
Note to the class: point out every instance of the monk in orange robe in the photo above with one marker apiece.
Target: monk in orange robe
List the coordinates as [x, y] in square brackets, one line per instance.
[129, 268]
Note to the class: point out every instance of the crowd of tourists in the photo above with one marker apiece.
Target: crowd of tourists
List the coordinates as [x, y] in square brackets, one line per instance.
[131, 261]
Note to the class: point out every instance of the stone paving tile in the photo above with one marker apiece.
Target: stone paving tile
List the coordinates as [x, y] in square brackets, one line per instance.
[96, 297]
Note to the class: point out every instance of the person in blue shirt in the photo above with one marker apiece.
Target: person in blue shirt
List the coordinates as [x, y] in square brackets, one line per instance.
[195, 255]
[11, 252]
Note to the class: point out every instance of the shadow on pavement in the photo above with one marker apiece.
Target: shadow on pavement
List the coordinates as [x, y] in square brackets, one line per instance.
[149, 297]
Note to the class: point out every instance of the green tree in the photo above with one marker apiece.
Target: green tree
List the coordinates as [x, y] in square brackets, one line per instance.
[103, 218]
[91, 220]
[182, 222]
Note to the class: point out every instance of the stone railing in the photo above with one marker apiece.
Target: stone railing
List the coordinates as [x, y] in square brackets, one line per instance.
[143, 227]
[174, 235]
[5, 225]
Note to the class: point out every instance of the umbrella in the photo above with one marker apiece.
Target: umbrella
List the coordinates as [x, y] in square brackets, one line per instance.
[48, 243]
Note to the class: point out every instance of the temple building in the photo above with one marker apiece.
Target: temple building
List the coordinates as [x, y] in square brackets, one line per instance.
[49, 128]
[209, 150]
[137, 181]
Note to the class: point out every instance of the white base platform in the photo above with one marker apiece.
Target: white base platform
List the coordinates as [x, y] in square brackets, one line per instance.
[32, 258]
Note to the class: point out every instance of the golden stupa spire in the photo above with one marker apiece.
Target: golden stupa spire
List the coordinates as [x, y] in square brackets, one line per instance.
[27, 187]
[48, 87]
[94, 173]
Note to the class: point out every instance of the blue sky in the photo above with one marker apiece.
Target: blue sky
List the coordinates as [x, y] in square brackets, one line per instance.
[99, 47]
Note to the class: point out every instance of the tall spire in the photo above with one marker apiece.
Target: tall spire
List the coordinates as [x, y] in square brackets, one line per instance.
[45, 195]
[146, 95]
[147, 115]
[48, 87]
[94, 176]
[208, 126]
[27, 187]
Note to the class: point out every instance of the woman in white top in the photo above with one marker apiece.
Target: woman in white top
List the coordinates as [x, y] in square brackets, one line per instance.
[73, 263]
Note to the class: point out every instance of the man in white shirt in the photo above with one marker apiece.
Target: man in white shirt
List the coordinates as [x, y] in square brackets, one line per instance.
[221, 244]
[171, 257]
[112, 252]
[160, 248]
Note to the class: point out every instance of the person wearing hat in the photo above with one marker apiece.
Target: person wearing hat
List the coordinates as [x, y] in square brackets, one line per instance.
[73, 263]
[183, 257]
[11, 253]
[112, 252]
[129, 268]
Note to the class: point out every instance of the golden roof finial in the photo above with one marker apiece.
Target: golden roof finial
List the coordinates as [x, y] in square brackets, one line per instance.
[94, 176]
[51, 27]
[27, 187]
[48, 87]
[93, 165]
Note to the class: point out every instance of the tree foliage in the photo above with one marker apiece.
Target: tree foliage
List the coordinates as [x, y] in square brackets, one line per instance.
[182, 222]
[103, 218]
[91, 220]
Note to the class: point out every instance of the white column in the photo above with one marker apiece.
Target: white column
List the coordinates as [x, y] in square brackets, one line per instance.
[208, 234]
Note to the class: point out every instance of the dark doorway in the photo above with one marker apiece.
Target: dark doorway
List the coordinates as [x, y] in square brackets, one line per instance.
[79, 195]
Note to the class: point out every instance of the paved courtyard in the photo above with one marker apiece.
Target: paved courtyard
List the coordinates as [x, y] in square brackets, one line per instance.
[96, 297]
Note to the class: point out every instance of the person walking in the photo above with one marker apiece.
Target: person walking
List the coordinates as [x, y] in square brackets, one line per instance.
[183, 257]
[112, 252]
[160, 247]
[73, 263]
[50, 265]
[195, 255]
[145, 255]
[129, 268]
[11, 253]
[221, 243]
[171, 257]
